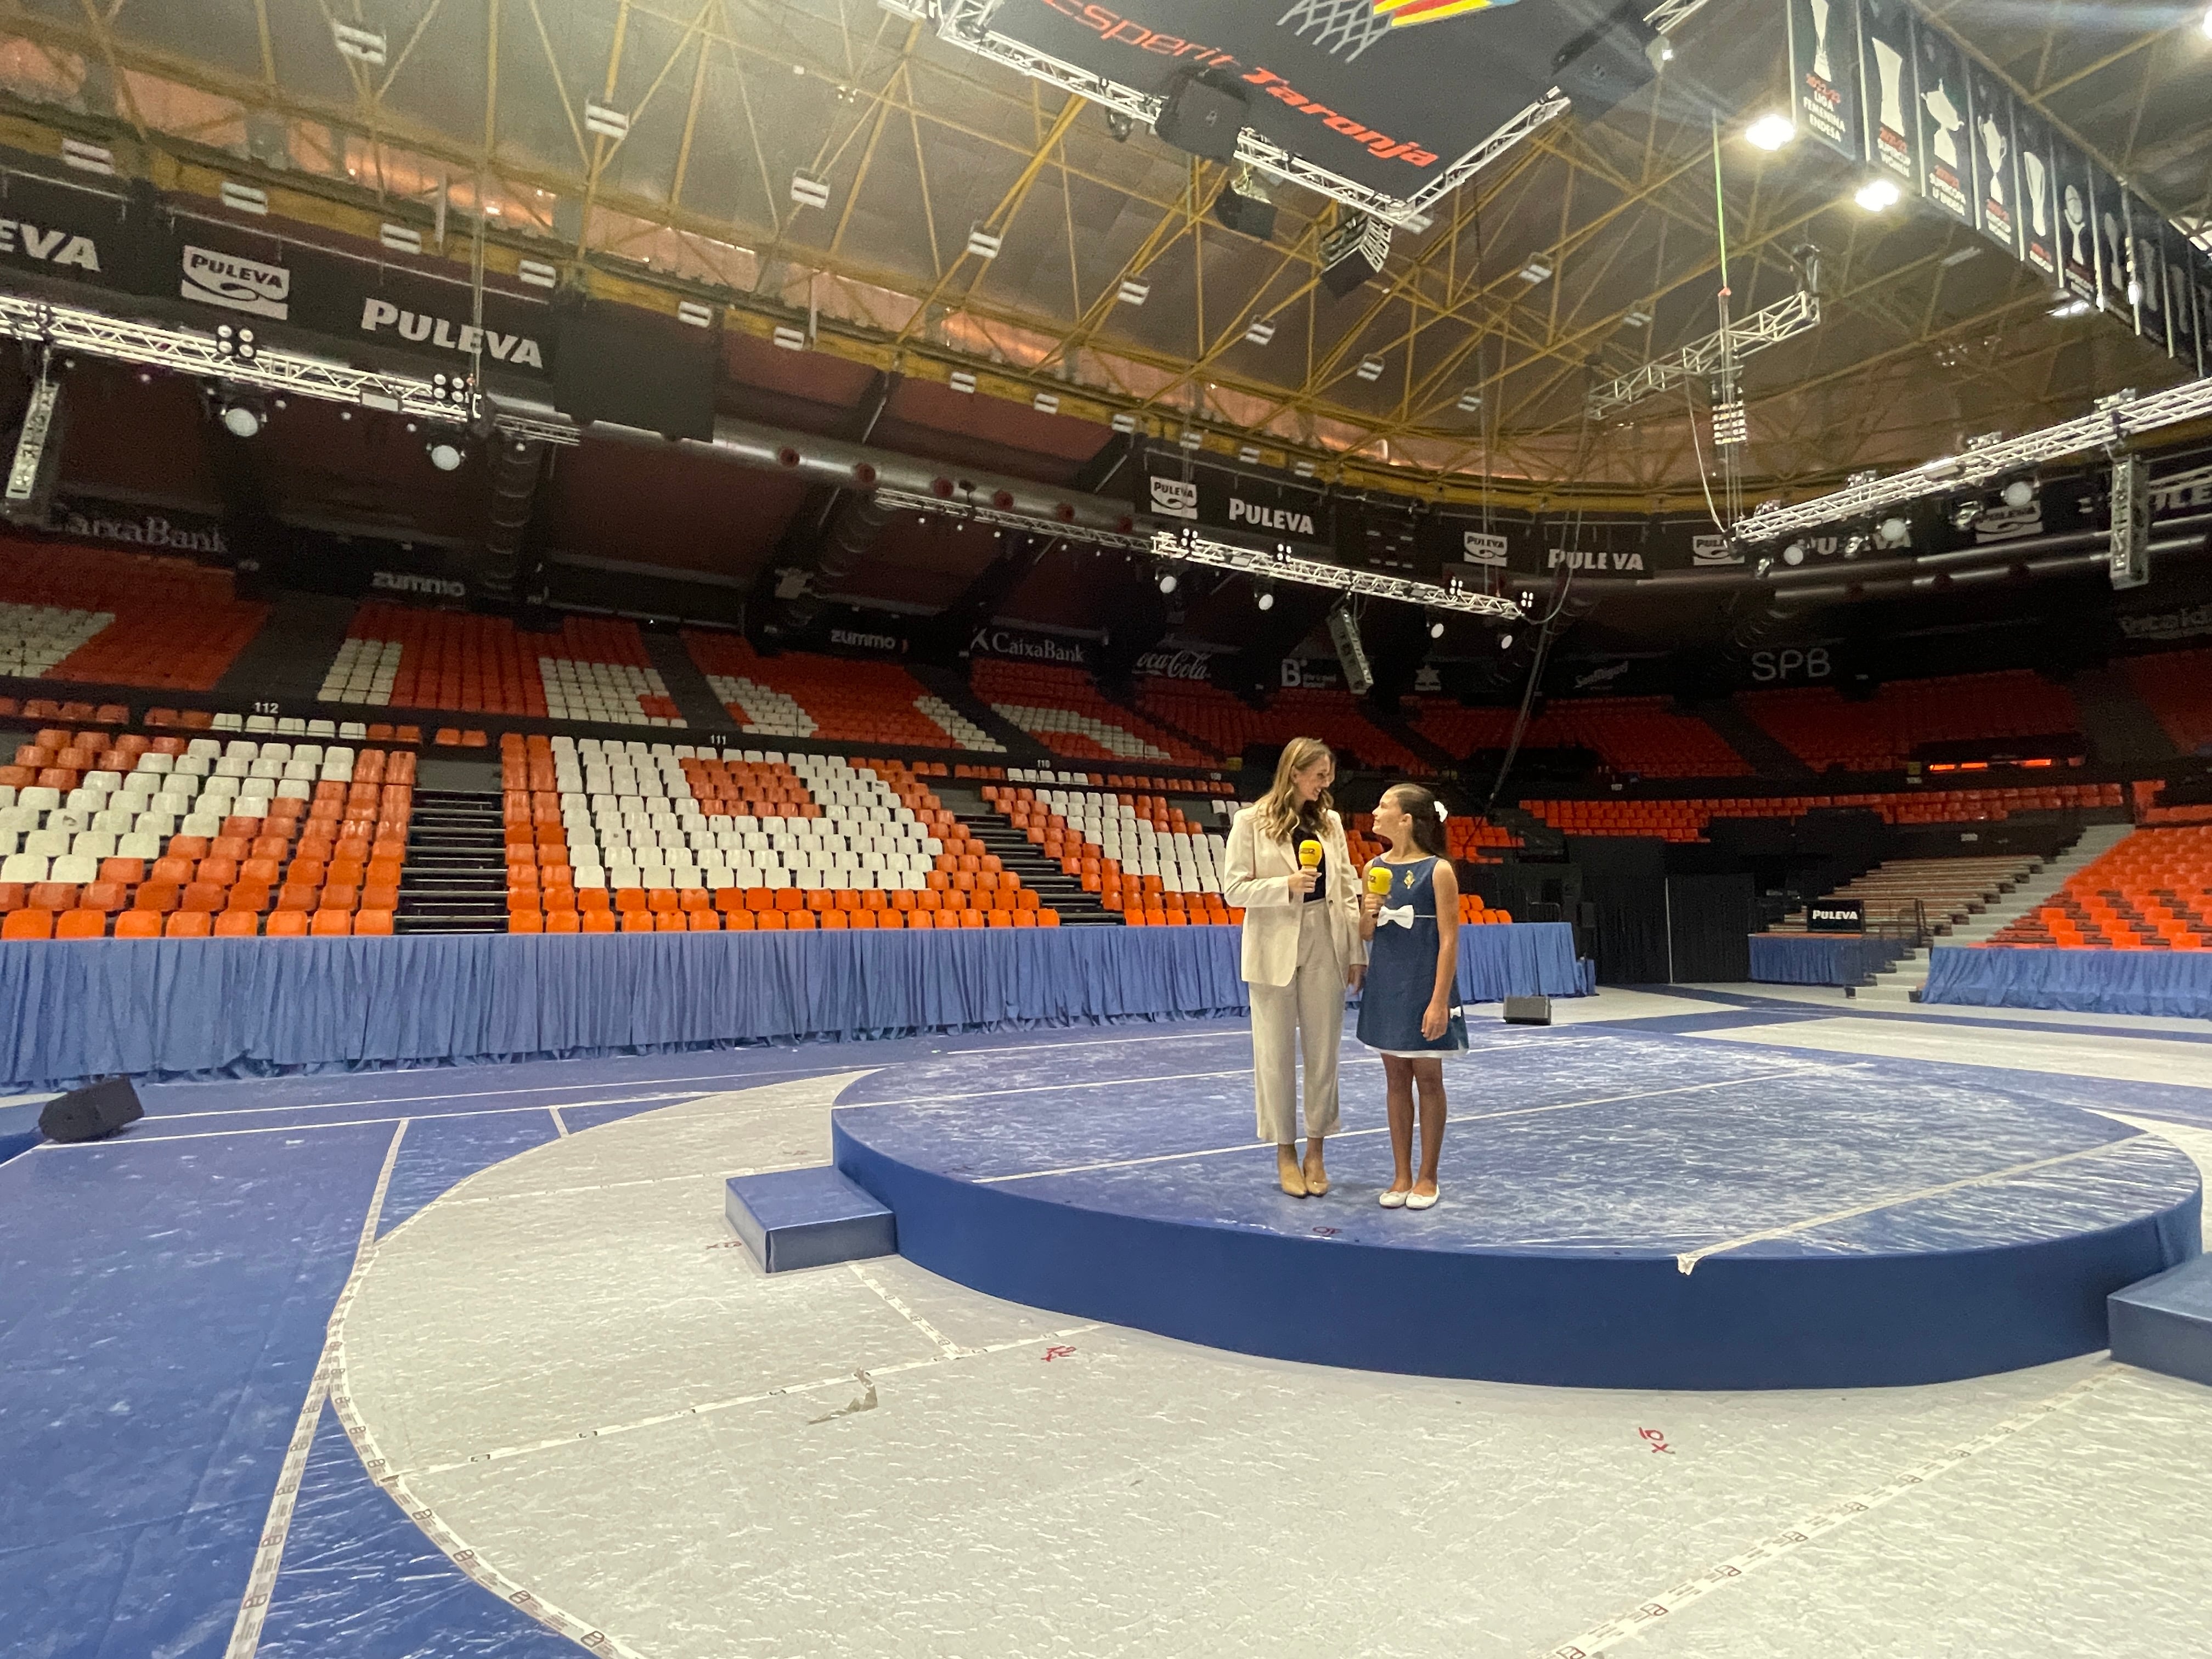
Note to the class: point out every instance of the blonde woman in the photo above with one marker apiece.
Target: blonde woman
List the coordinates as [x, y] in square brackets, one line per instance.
[1302, 949]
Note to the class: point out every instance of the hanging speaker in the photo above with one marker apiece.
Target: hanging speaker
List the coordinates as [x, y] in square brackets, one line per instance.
[1247, 214]
[91, 1113]
[1202, 118]
[1353, 254]
[1598, 69]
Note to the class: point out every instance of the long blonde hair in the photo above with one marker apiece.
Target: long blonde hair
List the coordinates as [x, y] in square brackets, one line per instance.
[1277, 809]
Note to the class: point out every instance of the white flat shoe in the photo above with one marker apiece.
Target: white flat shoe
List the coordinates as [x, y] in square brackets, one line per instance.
[1417, 1201]
[1392, 1201]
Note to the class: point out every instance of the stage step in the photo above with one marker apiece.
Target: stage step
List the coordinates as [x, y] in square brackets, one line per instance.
[813, 1218]
[1053, 886]
[454, 880]
[1900, 986]
[2165, 1322]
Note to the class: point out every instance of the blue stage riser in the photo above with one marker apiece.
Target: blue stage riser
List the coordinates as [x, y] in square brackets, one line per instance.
[2165, 1323]
[1820, 958]
[2174, 984]
[1843, 1226]
[793, 1218]
[217, 1007]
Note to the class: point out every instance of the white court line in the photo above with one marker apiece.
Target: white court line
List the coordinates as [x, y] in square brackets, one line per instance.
[261, 1582]
[560, 1123]
[486, 1094]
[1353, 1134]
[478, 1094]
[945, 1344]
[1688, 1260]
[1600, 1639]
[126, 1139]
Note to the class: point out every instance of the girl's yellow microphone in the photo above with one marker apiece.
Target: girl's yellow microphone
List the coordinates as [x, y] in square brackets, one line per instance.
[1379, 880]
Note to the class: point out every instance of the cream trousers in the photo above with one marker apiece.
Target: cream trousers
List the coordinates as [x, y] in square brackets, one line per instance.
[1306, 1014]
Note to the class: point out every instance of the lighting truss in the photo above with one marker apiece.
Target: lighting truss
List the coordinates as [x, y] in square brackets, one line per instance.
[1185, 547]
[906, 500]
[1762, 329]
[967, 24]
[2115, 422]
[185, 351]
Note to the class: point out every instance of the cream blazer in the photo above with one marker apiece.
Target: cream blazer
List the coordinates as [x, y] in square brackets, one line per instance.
[1257, 882]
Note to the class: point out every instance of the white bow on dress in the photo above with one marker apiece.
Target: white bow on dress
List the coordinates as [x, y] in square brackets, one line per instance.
[1400, 916]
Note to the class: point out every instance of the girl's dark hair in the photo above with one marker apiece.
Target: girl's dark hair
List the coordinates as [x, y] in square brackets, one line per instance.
[1418, 804]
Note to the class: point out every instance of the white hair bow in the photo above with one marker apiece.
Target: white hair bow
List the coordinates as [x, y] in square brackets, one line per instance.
[1441, 814]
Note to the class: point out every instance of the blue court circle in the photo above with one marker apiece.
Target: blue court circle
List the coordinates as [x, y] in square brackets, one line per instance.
[1620, 1211]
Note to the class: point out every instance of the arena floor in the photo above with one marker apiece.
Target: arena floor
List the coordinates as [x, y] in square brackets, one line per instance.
[557, 1395]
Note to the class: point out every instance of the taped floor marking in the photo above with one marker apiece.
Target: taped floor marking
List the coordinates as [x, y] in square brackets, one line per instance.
[944, 1345]
[1600, 1639]
[560, 1123]
[1354, 1134]
[1688, 1260]
[269, 1557]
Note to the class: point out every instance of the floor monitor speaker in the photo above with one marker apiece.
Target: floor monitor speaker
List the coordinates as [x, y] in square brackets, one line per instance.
[1528, 1010]
[91, 1113]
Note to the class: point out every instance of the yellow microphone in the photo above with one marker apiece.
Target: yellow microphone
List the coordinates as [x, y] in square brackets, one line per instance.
[1379, 880]
[1308, 855]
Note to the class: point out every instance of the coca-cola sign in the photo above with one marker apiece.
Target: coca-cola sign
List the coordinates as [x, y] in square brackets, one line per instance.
[1177, 664]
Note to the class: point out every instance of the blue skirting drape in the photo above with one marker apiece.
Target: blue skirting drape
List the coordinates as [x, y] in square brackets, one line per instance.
[1820, 958]
[2175, 983]
[212, 1008]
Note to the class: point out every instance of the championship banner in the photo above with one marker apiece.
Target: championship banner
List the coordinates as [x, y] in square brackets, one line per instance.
[2038, 204]
[1946, 116]
[1889, 83]
[1996, 149]
[1174, 493]
[2078, 263]
[1386, 95]
[1824, 56]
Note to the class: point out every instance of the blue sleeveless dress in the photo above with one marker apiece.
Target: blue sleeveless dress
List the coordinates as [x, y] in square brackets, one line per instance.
[1401, 969]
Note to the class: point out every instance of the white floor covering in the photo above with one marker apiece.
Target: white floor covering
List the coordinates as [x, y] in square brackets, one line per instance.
[568, 1363]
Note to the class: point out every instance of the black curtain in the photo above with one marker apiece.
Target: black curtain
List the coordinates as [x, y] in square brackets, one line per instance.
[1710, 920]
[1625, 886]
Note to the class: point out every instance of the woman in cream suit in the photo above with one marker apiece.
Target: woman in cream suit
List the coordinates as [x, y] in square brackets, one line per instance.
[1302, 948]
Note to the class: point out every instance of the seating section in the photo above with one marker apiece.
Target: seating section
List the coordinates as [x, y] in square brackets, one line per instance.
[1823, 728]
[799, 696]
[1941, 891]
[1231, 726]
[593, 669]
[1140, 855]
[1689, 820]
[2151, 892]
[102, 618]
[1466, 836]
[1638, 735]
[1136, 781]
[669, 838]
[2178, 687]
[138, 837]
[1064, 711]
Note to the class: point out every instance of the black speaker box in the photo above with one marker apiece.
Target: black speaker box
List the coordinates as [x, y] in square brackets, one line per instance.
[1528, 1010]
[1202, 118]
[91, 1113]
[1598, 69]
[1247, 214]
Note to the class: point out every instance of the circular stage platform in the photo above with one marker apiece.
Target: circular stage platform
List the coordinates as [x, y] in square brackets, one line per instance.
[1619, 1211]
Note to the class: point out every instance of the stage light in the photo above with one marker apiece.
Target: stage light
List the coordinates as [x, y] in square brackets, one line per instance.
[242, 421]
[1964, 515]
[1169, 581]
[1893, 532]
[2019, 493]
[1504, 641]
[1794, 554]
[1854, 545]
[1764, 568]
[1771, 132]
[1266, 598]
[1876, 194]
[1120, 125]
[445, 455]
[1436, 630]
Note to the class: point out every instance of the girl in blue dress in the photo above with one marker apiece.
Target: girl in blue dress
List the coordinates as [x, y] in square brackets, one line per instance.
[1408, 1011]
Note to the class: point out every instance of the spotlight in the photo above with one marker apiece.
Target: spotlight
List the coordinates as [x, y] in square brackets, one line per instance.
[242, 421]
[1120, 125]
[1854, 545]
[1266, 601]
[1504, 641]
[445, 454]
[1893, 532]
[1876, 194]
[1771, 132]
[1436, 630]
[1168, 581]
[1764, 568]
[1794, 554]
[1964, 515]
[2019, 493]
